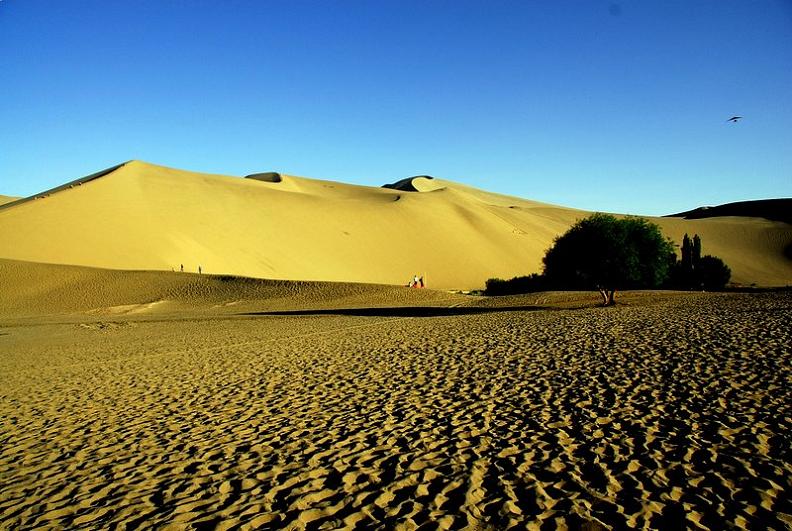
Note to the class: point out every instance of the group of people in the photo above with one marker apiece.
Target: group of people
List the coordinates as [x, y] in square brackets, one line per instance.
[416, 282]
[181, 269]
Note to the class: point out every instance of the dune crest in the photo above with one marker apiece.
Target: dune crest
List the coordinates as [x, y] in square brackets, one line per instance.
[419, 183]
[771, 209]
[267, 177]
[271, 225]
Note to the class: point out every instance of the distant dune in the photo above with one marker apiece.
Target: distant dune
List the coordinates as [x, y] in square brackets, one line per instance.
[139, 216]
[772, 209]
[7, 199]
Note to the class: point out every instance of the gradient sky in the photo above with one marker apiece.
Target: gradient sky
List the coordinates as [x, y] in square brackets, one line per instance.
[601, 105]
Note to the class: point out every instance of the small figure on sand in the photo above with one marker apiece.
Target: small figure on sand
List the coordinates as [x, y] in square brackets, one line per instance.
[416, 282]
[199, 270]
[181, 268]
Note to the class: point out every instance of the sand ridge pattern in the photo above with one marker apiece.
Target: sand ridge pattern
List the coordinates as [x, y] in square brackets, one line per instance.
[667, 411]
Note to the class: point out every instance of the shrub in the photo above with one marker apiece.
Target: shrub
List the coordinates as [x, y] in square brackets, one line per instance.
[711, 273]
[694, 271]
[529, 284]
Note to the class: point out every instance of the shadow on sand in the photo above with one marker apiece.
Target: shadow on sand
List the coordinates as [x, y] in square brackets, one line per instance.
[404, 311]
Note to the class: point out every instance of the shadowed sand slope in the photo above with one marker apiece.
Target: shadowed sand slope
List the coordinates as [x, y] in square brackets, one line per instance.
[34, 289]
[142, 216]
[665, 412]
[772, 209]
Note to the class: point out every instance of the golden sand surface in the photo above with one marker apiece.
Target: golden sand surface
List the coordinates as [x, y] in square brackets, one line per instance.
[148, 217]
[203, 402]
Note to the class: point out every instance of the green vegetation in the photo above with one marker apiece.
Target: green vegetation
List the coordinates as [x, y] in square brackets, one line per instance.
[608, 254]
[600, 252]
[529, 284]
[694, 271]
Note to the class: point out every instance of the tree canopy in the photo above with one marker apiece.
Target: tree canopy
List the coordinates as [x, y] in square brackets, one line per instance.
[694, 271]
[712, 273]
[606, 253]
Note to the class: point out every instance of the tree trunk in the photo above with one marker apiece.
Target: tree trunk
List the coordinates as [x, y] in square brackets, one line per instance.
[608, 296]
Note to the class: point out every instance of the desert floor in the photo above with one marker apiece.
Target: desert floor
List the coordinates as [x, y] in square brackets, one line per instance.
[448, 412]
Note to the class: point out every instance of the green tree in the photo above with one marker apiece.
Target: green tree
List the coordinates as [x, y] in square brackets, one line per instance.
[694, 271]
[608, 254]
[696, 250]
[711, 273]
[687, 253]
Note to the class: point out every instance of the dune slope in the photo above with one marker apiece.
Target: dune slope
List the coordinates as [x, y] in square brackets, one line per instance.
[36, 290]
[147, 217]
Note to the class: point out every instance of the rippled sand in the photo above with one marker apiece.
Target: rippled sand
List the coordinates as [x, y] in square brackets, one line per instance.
[668, 410]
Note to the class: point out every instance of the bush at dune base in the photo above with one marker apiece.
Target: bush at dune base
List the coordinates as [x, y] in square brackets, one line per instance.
[608, 254]
[497, 286]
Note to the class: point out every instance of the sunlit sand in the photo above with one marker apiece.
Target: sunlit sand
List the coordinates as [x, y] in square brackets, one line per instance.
[143, 216]
[137, 395]
[138, 398]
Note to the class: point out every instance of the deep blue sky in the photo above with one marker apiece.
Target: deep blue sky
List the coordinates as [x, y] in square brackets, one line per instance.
[611, 106]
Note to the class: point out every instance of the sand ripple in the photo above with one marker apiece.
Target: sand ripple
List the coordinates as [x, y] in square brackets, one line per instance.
[665, 414]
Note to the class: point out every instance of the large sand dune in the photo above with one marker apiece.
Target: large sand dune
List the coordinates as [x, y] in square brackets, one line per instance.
[141, 216]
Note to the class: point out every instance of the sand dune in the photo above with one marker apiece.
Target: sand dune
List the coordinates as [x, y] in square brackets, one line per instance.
[170, 400]
[35, 290]
[141, 396]
[147, 217]
[772, 209]
[7, 199]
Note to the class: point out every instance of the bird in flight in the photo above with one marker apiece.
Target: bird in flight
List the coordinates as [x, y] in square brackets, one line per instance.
[734, 119]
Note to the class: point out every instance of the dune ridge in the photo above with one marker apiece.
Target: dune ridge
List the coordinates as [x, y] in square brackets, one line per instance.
[419, 183]
[772, 209]
[146, 217]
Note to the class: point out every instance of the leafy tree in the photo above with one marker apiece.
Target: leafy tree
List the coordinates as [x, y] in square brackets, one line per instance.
[711, 273]
[696, 272]
[687, 253]
[609, 254]
[696, 250]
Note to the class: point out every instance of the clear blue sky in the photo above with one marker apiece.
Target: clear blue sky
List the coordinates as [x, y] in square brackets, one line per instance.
[610, 106]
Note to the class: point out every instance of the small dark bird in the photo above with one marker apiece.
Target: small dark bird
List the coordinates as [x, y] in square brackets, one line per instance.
[734, 119]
